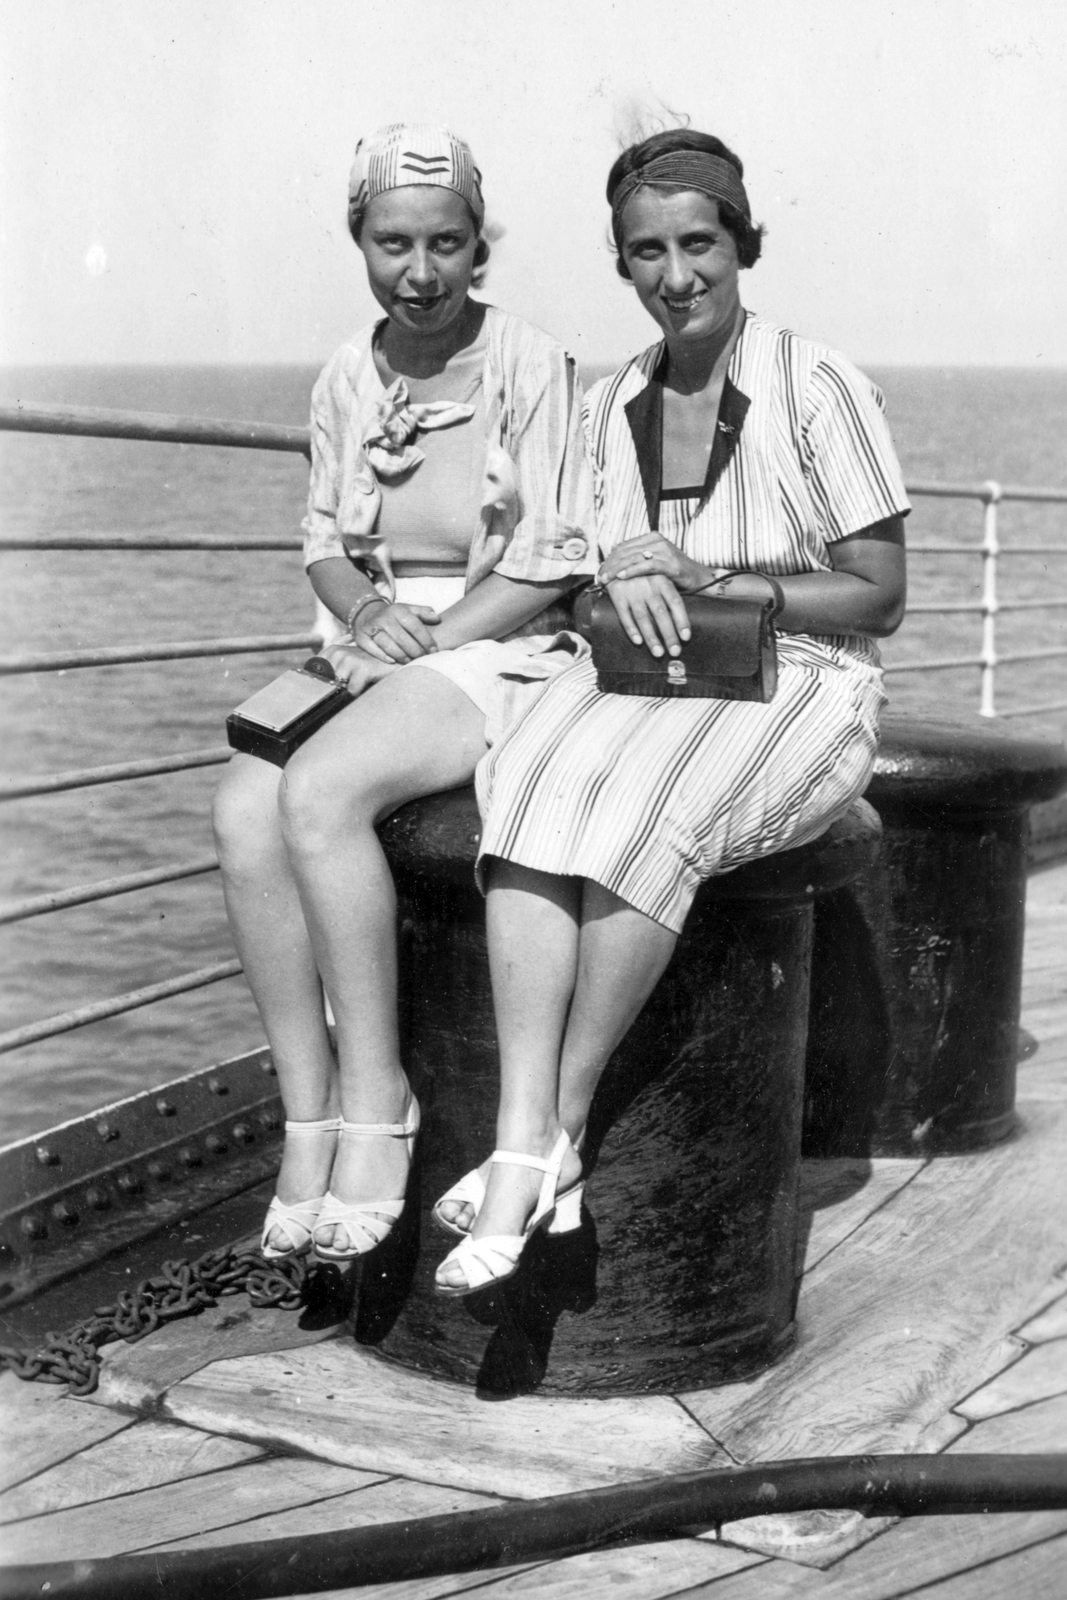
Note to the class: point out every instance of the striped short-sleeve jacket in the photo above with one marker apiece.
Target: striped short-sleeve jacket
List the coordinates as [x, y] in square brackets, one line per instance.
[803, 457]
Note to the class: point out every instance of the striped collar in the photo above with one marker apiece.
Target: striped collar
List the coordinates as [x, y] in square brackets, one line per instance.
[644, 413]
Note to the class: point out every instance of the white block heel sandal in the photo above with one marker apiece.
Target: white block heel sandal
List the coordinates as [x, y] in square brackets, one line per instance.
[366, 1222]
[470, 1191]
[495, 1258]
[296, 1220]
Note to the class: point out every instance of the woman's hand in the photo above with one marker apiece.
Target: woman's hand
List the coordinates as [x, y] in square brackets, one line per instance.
[395, 633]
[652, 612]
[652, 555]
[354, 668]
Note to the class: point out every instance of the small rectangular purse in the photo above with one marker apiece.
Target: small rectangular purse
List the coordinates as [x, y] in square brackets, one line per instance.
[730, 656]
[277, 719]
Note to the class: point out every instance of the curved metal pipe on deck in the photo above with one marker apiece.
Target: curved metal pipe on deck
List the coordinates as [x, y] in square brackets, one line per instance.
[560, 1525]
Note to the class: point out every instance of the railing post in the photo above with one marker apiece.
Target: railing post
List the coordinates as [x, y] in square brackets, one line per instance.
[990, 550]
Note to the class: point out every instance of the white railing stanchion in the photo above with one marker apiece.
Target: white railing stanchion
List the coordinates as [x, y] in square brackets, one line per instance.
[990, 551]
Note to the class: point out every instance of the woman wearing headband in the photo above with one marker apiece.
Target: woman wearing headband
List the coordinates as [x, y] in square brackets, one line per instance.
[730, 446]
[446, 510]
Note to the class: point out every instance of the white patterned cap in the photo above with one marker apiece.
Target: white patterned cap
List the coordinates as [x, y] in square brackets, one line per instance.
[406, 153]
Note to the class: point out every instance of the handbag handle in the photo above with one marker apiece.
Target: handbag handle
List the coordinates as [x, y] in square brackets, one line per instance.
[776, 588]
[591, 587]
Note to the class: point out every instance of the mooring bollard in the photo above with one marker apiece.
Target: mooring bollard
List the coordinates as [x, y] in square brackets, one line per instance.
[917, 964]
[682, 1274]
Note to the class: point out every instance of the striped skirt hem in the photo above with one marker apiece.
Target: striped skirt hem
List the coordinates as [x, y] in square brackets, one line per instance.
[650, 797]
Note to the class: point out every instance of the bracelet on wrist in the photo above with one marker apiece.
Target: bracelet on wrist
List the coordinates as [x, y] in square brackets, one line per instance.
[364, 600]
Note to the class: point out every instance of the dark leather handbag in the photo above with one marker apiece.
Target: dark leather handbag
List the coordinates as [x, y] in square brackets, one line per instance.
[276, 720]
[730, 656]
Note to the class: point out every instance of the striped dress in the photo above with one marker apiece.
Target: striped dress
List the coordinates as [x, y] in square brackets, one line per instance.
[651, 796]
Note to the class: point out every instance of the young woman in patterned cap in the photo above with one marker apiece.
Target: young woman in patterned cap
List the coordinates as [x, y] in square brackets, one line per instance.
[731, 446]
[446, 510]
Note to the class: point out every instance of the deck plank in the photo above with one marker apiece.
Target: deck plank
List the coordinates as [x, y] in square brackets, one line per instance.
[1044, 1079]
[41, 1426]
[1037, 1573]
[912, 1555]
[1051, 1323]
[142, 1457]
[923, 1550]
[454, 1583]
[1040, 1427]
[812, 1538]
[340, 1403]
[1041, 1373]
[135, 1375]
[1044, 987]
[632, 1572]
[837, 1196]
[216, 1500]
[915, 1312]
[635, 1572]
[391, 1501]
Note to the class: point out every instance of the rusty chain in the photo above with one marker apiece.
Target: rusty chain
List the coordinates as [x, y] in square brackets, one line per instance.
[180, 1289]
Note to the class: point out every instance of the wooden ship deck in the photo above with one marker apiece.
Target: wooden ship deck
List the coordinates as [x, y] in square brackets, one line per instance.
[932, 1315]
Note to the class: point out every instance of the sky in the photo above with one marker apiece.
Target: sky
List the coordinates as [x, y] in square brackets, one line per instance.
[174, 172]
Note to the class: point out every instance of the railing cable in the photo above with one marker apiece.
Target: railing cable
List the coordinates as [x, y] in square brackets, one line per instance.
[36, 905]
[67, 1021]
[146, 541]
[153, 426]
[183, 650]
[13, 787]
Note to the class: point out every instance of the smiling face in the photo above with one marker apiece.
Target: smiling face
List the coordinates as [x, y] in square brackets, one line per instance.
[418, 243]
[683, 263]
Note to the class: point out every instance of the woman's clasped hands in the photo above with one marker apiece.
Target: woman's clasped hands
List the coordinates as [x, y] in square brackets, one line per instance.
[385, 636]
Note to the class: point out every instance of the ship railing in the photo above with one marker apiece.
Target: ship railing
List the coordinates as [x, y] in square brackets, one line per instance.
[166, 428]
[991, 495]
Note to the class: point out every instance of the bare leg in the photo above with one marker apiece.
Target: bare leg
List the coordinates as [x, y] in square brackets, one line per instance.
[565, 995]
[272, 942]
[412, 734]
[622, 955]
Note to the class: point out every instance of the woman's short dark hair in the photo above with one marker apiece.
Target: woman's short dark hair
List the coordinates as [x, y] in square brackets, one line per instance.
[481, 246]
[747, 236]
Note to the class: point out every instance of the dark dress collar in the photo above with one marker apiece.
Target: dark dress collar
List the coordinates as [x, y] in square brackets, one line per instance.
[644, 413]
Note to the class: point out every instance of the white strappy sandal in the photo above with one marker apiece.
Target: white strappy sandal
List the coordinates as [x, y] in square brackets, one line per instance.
[470, 1191]
[295, 1220]
[495, 1258]
[367, 1222]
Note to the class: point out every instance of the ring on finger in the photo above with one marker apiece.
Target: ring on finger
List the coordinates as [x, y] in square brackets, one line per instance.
[646, 555]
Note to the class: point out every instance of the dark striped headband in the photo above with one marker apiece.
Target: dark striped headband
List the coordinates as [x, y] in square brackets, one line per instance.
[684, 169]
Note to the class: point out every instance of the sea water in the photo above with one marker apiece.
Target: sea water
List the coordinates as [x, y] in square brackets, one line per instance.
[958, 424]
